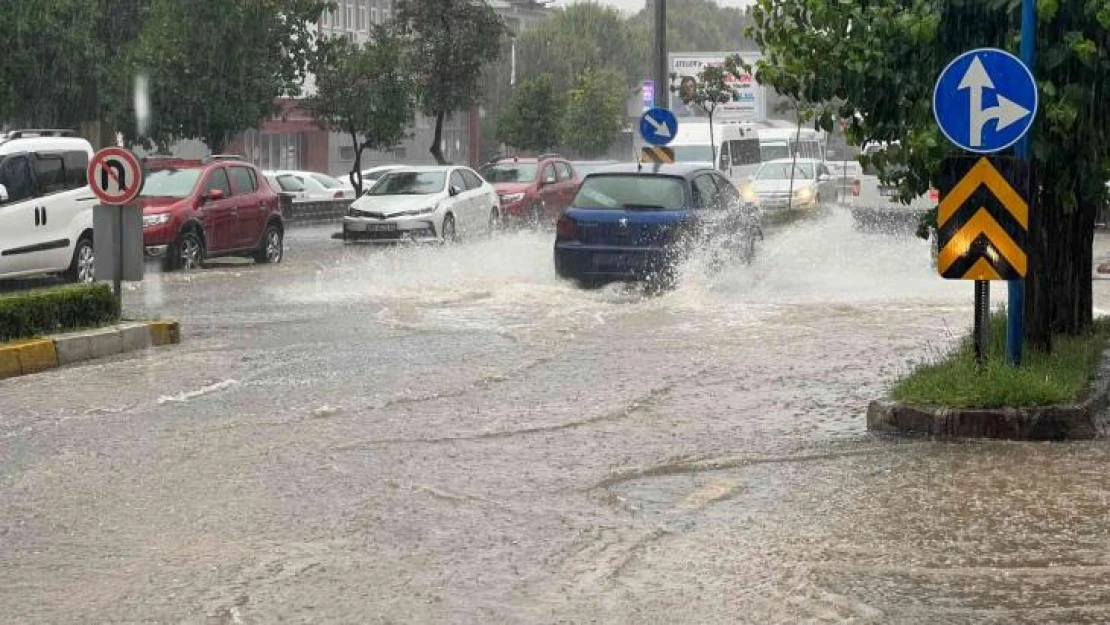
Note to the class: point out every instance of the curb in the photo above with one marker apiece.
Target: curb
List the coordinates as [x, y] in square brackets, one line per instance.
[1085, 420]
[32, 356]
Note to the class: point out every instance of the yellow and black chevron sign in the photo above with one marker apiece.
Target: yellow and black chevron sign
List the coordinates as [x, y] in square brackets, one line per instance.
[656, 154]
[983, 218]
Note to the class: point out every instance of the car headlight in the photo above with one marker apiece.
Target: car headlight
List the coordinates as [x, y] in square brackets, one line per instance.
[749, 194]
[804, 194]
[509, 198]
[418, 212]
[155, 220]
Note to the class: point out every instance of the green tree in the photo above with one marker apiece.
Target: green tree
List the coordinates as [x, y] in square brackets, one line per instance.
[707, 91]
[595, 112]
[451, 40]
[579, 38]
[54, 71]
[216, 68]
[531, 121]
[365, 91]
[888, 54]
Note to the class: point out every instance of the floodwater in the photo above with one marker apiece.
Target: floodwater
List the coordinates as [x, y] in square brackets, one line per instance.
[454, 435]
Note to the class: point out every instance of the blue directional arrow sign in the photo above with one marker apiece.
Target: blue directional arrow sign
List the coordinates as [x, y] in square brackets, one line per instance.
[985, 100]
[658, 126]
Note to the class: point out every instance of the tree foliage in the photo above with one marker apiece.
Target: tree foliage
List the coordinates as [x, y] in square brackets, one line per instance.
[216, 68]
[532, 120]
[451, 40]
[595, 112]
[579, 38]
[55, 70]
[364, 91]
[888, 54]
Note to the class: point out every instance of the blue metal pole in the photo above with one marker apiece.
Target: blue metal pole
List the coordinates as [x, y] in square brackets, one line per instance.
[1015, 307]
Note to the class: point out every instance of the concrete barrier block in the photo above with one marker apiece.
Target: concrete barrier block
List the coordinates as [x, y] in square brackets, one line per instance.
[9, 362]
[165, 333]
[106, 342]
[72, 348]
[135, 336]
[37, 355]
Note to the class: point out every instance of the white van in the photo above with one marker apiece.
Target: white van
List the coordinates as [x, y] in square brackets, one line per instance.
[46, 223]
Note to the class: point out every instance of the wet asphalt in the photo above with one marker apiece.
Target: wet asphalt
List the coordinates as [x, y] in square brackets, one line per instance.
[453, 435]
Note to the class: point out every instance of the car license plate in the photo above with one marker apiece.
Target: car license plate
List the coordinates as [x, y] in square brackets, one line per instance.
[628, 261]
[381, 227]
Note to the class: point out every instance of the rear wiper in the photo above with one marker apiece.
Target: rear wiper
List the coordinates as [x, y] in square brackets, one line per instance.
[643, 207]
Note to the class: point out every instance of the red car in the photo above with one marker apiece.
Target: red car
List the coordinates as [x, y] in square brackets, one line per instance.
[194, 210]
[532, 189]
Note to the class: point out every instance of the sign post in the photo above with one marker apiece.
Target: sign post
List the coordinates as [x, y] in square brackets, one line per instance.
[985, 101]
[116, 178]
[1015, 307]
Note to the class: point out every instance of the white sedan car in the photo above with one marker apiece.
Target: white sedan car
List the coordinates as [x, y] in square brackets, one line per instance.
[421, 204]
[310, 186]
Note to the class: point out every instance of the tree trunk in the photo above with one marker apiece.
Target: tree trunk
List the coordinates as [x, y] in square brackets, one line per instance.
[1058, 288]
[437, 153]
[356, 169]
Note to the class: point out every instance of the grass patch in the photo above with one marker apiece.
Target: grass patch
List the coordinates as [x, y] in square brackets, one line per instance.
[1043, 379]
[46, 311]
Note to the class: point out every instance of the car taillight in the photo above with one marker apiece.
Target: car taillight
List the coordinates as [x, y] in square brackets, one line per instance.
[934, 195]
[338, 195]
[564, 229]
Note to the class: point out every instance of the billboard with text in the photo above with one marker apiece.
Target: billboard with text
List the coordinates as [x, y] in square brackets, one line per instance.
[748, 103]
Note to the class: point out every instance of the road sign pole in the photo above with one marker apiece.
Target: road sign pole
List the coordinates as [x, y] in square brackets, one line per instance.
[117, 280]
[1015, 304]
[662, 81]
[982, 320]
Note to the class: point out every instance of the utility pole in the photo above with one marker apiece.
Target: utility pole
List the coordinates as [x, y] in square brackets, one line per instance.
[1015, 305]
[662, 76]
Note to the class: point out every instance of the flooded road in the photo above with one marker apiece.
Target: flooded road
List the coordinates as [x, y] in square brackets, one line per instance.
[454, 435]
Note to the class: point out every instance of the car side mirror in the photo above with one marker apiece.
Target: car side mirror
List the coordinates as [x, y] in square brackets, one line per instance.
[3, 194]
[214, 194]
[454, 190]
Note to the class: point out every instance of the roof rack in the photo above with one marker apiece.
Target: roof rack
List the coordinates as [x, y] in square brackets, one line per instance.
[549, 155]
[224, 157]
[39, 132]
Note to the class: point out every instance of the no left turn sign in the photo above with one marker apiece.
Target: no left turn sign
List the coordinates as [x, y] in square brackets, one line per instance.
[115, 176]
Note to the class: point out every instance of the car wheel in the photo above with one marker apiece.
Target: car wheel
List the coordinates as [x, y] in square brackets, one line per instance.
[82, 268]
[447, 231]
[494, 220]
[188, 253]
[272, 249]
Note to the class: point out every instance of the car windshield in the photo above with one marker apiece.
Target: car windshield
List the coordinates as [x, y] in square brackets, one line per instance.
[171, 182]
[409, 183]
[772, 151]
[692, 153]
[327, 181]
[510, 172]
[781, 171]
[632, 191]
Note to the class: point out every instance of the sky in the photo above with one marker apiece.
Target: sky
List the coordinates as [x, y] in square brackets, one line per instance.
[636, 5]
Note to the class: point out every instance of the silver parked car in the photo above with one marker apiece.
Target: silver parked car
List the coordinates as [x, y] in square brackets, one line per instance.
[802, 184]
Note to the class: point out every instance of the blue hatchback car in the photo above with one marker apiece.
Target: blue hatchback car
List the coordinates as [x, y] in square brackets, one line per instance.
[632, 221]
